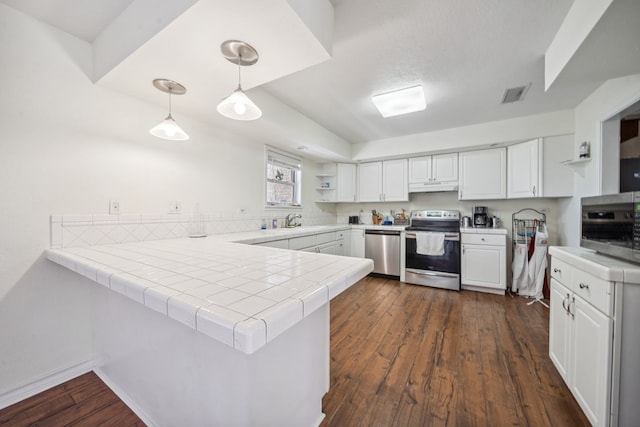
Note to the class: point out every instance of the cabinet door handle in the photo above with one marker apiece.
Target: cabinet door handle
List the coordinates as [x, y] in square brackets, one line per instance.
[564, 303]
[482, 238]
[573, 301]
[557, 270]
[534, 190]
[583, 286]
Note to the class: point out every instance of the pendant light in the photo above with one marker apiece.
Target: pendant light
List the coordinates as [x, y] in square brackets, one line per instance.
[168, 128]
[238, 106]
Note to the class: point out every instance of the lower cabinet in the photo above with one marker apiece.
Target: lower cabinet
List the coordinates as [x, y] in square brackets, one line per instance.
[356, 248]
[581, 339]
[332, 243]
[484, 262]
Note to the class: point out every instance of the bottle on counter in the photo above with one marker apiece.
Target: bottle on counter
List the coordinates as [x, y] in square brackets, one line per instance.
[263, 226]
[274, 223]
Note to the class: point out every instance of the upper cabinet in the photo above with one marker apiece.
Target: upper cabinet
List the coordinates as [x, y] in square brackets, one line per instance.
[346, 185]
[370, 182]
[433, 173]
[535, 168]
[523, 170]
[383, 181]
[483, 174]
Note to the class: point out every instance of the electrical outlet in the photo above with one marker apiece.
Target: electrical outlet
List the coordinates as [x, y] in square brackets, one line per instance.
[114, 207]
[174, 207]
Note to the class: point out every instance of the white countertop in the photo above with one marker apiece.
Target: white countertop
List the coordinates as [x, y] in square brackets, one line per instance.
[596, 264]
[241, 295]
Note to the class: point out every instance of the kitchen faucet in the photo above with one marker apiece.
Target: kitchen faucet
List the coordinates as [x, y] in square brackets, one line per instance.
[288, 221]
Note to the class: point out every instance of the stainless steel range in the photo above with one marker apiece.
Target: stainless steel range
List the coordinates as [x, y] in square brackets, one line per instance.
[433, 249]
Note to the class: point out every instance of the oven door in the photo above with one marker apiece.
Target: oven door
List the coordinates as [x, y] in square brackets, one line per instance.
[439, 271]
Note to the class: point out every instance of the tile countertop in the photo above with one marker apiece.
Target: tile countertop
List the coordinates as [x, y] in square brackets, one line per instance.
[485, 230]
[243, 296]
[596, 264]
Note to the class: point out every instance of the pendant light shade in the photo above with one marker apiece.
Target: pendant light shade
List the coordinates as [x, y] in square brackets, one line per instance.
[168, 128]
[238, 106]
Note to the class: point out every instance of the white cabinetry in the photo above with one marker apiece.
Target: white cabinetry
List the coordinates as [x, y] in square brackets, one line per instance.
[383, 181]
[346, 185]
[484, 262]
[580, 337]
[559, 329]
[483, 174]
[332, 242]
[535, 168]
[523, 175]
[356, 243]
[432, 173]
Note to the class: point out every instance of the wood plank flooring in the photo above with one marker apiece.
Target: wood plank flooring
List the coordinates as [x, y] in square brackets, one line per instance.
[406, 355]
[401, 355]
[83, 401]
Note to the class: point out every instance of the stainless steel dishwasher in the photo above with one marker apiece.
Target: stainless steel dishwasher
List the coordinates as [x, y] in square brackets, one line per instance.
[383, 247]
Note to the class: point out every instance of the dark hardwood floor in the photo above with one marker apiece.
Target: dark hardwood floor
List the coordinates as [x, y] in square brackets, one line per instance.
[401, 355]
[406, 355]
[83, 401]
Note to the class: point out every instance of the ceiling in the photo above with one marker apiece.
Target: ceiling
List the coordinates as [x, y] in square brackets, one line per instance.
[465, 54]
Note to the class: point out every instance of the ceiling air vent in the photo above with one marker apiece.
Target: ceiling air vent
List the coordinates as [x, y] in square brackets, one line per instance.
[515, 94]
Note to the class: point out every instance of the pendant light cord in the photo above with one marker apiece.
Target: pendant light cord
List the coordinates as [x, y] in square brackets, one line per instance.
[239, 67]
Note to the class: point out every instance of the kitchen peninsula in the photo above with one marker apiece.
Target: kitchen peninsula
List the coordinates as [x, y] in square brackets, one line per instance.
[212, 332]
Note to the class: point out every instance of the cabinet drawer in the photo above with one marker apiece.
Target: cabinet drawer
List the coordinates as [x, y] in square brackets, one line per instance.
[302, 242]
[561, 271]
[594, 290]
[483, 239]
[326, 237]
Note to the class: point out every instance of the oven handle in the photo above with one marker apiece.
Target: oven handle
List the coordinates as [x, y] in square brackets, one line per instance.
[430, 273]
[447, 236]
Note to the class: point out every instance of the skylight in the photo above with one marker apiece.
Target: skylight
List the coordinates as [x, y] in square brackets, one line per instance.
[401, 101]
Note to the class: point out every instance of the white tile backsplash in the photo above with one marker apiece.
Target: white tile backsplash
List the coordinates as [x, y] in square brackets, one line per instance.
[69, 230]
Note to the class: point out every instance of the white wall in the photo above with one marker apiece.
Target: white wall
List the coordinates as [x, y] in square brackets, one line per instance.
[469, 137]
[609, 99]
[69, 146]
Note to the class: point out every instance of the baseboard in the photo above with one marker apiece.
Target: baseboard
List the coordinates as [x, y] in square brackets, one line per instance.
[124, 397]
[44, 383]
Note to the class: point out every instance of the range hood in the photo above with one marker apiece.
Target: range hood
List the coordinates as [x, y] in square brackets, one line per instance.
[431, 187]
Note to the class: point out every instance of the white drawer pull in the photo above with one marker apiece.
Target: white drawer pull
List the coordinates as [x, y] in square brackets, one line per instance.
[583, 286]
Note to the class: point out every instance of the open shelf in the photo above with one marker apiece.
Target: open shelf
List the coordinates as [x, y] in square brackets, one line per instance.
[577, 161]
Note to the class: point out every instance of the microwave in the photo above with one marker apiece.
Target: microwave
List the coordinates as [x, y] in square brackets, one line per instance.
[610, 224]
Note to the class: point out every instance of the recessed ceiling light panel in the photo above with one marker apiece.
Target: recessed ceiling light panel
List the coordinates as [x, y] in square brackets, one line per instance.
[401, 101]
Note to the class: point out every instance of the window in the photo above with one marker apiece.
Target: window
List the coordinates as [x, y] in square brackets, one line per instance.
[283, 179]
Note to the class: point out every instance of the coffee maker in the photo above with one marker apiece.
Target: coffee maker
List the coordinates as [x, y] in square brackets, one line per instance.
[480, 216]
